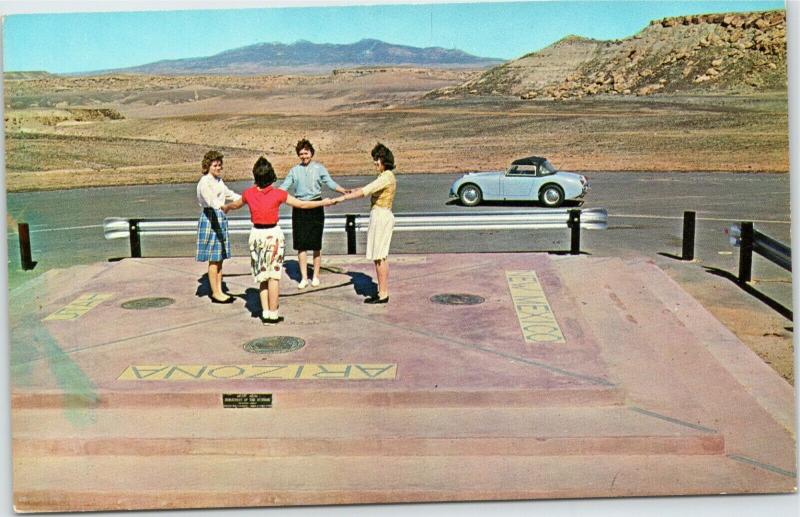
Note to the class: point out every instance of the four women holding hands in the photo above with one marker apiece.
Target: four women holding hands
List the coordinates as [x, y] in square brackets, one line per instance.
[266, 240]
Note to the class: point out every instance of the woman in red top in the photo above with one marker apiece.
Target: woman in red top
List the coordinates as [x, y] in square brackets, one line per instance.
[266, 240]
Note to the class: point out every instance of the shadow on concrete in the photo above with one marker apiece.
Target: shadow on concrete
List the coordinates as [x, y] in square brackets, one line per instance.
[252, 302]
[670, 255]
[292, 268]
[204, 287]
[363, 284]
[773, 304]
[763, 298]
[566, 252]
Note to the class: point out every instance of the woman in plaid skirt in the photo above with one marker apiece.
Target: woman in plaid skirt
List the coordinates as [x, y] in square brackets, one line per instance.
[213, 244]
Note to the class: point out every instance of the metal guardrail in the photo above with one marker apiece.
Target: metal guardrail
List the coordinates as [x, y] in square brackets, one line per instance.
[752, 241]
[540, 219]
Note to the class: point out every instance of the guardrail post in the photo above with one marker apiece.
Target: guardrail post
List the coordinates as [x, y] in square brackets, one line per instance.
[575, 231]
[688, 235]
[25, 247]
[350, 229]
[136, 245]
[746, 252]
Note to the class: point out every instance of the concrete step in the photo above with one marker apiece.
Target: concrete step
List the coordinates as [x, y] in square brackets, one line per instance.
[597, 287]
[321, 395]
[356, 432]
[643, 333]
[763, 383]
[83, 483]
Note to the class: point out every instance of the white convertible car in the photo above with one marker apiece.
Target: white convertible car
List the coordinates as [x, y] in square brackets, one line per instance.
[528, 179]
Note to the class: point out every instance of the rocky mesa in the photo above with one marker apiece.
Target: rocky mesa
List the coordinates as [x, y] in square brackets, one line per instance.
[724, 52]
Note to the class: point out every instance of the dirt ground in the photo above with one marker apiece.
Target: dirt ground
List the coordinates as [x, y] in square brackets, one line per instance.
[165, 126]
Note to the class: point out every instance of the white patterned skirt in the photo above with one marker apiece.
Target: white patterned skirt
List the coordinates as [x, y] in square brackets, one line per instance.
[266, 253]
[379, 234]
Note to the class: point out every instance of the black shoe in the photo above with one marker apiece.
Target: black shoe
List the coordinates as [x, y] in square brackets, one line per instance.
[271, 321]
[229, 299]
[375, 299]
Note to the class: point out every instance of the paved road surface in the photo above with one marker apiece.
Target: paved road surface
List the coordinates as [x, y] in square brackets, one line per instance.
[645, 216]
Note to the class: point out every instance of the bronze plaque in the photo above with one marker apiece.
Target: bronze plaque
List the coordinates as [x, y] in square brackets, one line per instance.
[246, 400]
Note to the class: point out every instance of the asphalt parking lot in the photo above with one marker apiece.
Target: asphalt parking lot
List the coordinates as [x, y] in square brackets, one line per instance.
[645, 218]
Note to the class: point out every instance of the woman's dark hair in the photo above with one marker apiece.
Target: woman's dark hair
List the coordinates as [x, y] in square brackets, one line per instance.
[209, 158]
[263, 173]
[304, 144]
[382, 153]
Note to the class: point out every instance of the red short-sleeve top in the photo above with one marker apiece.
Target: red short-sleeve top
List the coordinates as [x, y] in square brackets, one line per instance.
[264, 203]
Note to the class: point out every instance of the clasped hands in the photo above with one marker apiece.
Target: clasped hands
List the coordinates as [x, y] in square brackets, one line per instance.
[332, 201]
[337, 200]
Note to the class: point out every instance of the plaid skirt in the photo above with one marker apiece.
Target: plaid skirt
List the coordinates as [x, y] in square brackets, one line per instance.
[213, 244]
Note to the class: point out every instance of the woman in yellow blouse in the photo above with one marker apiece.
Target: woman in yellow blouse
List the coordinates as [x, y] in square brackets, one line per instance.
[381, 219]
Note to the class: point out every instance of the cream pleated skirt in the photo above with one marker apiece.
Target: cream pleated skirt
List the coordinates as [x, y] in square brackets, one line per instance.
[379, 234]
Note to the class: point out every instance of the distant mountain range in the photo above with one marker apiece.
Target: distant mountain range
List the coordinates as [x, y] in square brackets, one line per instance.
[307, 56]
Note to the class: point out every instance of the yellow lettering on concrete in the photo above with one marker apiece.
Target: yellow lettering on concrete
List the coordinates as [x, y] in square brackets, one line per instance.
[536, 318]
[215, 372]
[79, 307]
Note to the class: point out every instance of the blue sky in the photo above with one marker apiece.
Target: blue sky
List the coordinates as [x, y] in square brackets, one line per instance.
[76, 42]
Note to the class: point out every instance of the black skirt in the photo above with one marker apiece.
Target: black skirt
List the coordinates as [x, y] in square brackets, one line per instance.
[307, 225]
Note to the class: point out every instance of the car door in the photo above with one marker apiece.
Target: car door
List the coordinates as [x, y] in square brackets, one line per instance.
[518, 182]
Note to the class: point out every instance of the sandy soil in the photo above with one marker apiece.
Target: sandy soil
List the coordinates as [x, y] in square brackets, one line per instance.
[169, 124]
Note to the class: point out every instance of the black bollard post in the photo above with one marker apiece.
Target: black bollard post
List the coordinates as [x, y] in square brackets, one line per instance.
[350, 229]
[575, 231]
[136, 245]
[688, 235]
[25, 247]
[746, 252]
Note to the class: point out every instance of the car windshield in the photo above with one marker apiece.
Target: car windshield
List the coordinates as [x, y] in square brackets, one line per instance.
[547, 168]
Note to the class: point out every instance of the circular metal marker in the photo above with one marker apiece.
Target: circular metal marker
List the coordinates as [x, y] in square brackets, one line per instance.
[147, 303]
[457, 299]
[274, 345]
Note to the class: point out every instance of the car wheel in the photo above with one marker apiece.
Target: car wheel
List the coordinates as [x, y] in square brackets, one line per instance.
[470, 195]
[552, 196]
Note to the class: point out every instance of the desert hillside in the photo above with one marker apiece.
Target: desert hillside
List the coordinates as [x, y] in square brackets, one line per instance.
[31, 98]
[726, 52]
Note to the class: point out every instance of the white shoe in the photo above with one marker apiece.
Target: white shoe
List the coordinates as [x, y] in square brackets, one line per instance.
[303, 284]
[315, 282]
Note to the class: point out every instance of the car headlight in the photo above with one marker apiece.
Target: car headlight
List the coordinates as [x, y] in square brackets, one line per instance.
[584, 181]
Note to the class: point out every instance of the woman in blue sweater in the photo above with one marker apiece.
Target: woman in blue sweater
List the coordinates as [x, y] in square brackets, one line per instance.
[306, 179]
